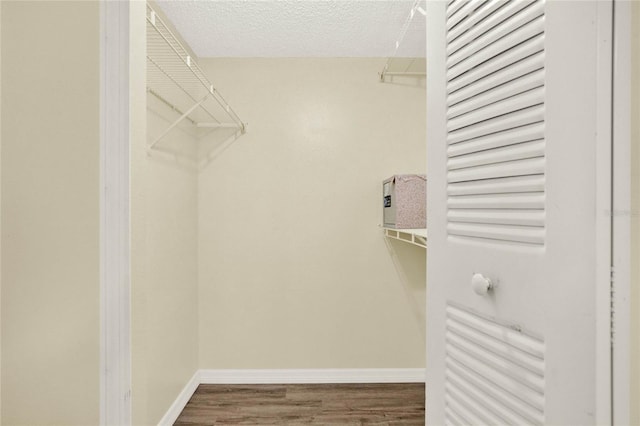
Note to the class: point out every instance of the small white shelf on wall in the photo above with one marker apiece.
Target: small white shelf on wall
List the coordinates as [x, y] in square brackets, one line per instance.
[416, 237]
[176, 80]
[399, 64]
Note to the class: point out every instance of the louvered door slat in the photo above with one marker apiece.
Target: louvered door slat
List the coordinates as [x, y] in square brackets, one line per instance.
[495, 411]
[454, 7]
[454, 419]
[531, 344]
[531, 166]
[522, 133]
[529, 68]
[510, 40]
[505, 21]
[529, 201]
[498, 155]
[469, 417]
[506, 122]
[496, 91]
[503, 61]
[519, 395]
[463, 13]
[495, 125]
[519, 408]
[487, 22]
[474, 18]
[527, 392]
[497, 347]
[481, 416]
[515, 103]
[509, 185]
[504, 217]
[493, 374]
[498, 233]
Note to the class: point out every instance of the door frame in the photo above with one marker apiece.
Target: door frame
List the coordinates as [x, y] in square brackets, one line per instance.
[621, 214]
[604, 203]
[115, 288]
[115, 342]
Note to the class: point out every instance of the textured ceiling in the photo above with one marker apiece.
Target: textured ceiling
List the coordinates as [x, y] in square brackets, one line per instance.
[298, 28]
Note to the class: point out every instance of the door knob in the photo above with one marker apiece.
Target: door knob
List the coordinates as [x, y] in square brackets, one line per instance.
[480, 284]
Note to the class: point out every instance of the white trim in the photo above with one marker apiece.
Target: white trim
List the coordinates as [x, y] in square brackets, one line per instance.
[115, 346]
[0, 222]
[329, 375]
[621, 360]
[603, 191]
[310, 376]
[181, 401]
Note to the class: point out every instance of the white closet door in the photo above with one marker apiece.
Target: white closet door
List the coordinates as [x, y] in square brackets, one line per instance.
[514, 91]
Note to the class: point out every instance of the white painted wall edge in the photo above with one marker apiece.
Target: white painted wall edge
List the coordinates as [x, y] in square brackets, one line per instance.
[290, 376]
[603, 192]
[0, 229]
[115, 345]
[622, 76]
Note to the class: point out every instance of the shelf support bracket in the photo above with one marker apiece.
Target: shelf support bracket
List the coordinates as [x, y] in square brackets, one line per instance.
[175, 123]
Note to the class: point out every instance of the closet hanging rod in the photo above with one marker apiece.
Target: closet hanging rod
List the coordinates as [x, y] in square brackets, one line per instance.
[217, 125]
[175, 123]
[170, 105]
[416, 73]
[192, 121]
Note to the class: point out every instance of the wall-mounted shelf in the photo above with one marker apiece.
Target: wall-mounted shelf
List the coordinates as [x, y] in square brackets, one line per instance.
[416, 237]
[399, 64]
[176, 80]
[407, 67]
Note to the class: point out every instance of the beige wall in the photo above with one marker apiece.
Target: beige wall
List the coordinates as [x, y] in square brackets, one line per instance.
[635, 217]
[293, 269]
[50, 213]
[164, 251]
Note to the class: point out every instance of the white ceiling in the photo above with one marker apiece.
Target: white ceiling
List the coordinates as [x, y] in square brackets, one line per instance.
[298, 28]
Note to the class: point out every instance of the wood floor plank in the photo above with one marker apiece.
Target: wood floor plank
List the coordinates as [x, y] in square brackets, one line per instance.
[389, 404]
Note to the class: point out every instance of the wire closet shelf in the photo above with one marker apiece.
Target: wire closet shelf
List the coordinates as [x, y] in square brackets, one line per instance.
[397, 65]
[176, 80]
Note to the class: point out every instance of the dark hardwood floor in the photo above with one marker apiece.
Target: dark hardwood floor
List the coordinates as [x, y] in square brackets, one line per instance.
[323, 404]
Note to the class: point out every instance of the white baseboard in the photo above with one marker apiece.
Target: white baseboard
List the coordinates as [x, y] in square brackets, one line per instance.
[320, 375]
[181, 401]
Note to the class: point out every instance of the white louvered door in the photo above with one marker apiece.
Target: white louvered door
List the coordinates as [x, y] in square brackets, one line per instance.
[515, 94]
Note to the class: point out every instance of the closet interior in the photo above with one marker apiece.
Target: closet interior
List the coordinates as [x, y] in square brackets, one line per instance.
[258, 240]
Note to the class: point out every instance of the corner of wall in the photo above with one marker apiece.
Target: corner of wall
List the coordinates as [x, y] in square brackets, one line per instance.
[163, 247]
